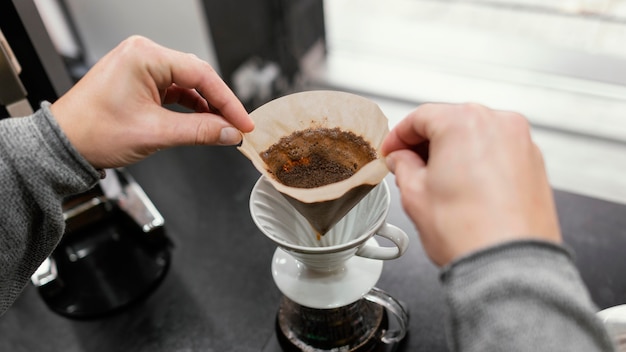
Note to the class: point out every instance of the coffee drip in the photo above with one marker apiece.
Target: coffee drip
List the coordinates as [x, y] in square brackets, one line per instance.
[330, 302]
[322, 206]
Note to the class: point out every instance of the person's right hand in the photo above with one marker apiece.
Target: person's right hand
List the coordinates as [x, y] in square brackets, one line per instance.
[484, 182]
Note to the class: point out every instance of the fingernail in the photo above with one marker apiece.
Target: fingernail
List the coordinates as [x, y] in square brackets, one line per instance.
[229, 136]
[391, 163]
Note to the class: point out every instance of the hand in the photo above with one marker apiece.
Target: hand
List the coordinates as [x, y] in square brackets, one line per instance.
[114, 116]
[484, 182]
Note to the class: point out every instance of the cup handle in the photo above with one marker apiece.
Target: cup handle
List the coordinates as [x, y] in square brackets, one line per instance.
[396, 309]
[399, 238]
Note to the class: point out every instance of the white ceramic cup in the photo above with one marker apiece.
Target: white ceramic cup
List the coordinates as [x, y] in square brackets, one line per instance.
[614, 319]
[284, 225]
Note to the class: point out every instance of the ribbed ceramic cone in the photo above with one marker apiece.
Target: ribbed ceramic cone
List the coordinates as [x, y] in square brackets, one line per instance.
[285, 225]
[322, 206]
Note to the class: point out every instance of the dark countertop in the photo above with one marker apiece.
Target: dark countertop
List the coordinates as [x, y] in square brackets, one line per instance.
[219, 294]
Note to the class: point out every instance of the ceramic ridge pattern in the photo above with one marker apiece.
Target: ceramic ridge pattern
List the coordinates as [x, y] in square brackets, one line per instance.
[276, 218]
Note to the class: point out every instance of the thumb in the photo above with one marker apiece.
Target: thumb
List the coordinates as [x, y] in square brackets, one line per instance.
[408, 167]
[410, 171]
[198, 129]
[404, 161]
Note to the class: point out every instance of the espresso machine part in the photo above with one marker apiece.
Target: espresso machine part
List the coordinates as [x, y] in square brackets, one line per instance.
[114, 251]
[12, 91]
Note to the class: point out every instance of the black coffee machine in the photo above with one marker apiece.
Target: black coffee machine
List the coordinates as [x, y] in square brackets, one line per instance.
[114, 251]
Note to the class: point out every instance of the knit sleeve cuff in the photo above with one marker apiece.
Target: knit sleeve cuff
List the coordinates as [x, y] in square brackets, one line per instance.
[62, 149]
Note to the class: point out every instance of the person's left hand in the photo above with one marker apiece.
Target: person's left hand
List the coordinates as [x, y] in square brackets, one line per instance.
[114, 115]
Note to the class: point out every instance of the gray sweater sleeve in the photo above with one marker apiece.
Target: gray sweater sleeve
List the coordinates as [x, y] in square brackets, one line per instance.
[38, 167]
[521, 296]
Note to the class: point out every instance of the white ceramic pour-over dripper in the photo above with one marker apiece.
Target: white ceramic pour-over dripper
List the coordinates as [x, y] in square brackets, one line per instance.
[336, 269]
[284, 225]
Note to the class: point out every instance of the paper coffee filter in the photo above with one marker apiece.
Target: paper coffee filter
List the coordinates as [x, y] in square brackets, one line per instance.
[326, 205]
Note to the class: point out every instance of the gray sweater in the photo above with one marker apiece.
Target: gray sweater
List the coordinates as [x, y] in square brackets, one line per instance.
[522, 296]
[38, 167]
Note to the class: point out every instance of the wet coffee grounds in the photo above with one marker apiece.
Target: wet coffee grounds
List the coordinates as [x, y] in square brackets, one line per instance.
[317, 156]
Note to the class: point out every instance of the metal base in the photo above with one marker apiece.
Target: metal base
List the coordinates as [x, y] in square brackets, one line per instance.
[105, 268]
[114, 251]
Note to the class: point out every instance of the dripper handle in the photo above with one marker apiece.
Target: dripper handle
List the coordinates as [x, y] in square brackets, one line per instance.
[399, 238]
[396, 309]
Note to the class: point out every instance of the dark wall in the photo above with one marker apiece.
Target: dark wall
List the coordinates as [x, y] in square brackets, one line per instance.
[276, 30]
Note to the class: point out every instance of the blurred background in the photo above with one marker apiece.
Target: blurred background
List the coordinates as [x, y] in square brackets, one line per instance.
[560, 63]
